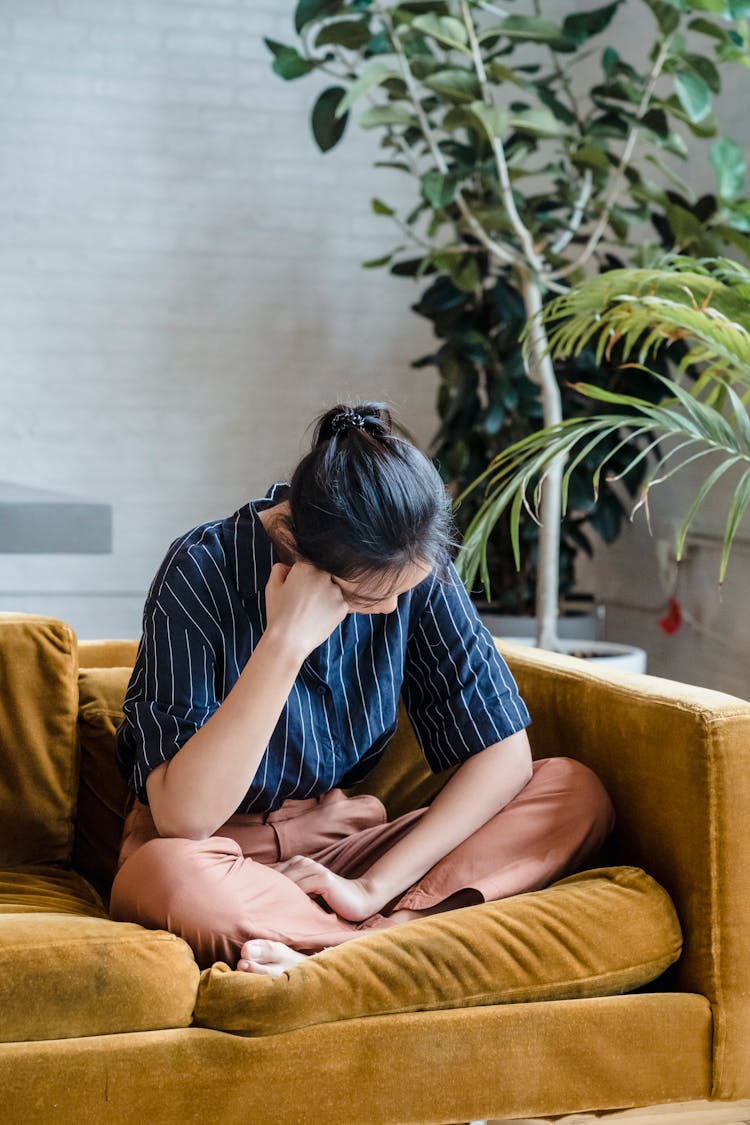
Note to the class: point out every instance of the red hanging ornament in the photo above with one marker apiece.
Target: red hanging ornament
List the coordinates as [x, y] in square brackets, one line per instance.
[672, 619]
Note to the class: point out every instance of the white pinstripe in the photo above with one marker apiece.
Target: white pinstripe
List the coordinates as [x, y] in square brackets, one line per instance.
[431, 691]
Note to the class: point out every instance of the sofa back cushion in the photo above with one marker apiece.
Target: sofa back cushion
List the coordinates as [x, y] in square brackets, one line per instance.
[104, 795]
[38, 752]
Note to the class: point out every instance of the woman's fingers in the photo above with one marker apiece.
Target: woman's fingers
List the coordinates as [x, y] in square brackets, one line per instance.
[312, 877]
[303, 600]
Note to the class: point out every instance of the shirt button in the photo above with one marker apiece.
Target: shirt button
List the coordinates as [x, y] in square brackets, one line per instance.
[321, 689]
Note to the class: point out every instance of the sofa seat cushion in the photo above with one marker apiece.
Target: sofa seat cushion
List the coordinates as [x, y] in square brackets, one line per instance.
[67, 970]
[599, 932]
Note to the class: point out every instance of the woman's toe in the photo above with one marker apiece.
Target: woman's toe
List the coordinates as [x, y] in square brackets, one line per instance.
[263, 955]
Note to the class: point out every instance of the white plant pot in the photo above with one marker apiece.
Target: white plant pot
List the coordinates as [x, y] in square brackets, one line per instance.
[572, 625]
[603, 654]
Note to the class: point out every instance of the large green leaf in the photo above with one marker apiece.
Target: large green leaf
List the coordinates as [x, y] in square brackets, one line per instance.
[591, 157]
[454, 84]
[580, 26]
[729, 167]
[667, 15]
[380, 208]
[326, 126]
[307, 11]
[439, 188]
[494, 121]
[344, 33]
[529, 29]
[373, 75]
[387, 115]
[705, 27]
[447, 30]
[288, 63]
[694, 95]
[705, 69]
[537, 122]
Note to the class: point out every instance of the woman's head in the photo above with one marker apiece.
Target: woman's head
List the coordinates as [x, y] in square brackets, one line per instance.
[366, 505]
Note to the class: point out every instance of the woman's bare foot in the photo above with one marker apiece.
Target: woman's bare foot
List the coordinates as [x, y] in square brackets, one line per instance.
[269, 958]
[272, 958]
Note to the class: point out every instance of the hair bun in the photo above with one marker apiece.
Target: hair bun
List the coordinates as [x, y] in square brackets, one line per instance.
[373, 417]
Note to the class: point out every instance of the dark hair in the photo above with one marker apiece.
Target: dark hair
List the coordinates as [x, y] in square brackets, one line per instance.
[364, 499]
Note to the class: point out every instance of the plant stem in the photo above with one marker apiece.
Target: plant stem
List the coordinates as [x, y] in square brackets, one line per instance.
[543, 372]
[506, 191]
[619, 173]
[494, 247]
[578, 213]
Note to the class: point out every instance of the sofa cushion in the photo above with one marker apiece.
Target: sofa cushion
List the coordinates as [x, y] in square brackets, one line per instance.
[103, 793]
[596, 933]
[66, 970]
[38, 757]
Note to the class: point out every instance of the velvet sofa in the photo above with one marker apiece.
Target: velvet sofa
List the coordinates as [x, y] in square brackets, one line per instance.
[625, 984]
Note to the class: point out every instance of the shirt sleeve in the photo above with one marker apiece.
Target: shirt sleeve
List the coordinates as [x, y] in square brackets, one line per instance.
[458, 691]
[172, 689]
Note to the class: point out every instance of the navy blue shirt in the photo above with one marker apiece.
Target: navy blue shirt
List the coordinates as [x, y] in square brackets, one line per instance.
[204, 614]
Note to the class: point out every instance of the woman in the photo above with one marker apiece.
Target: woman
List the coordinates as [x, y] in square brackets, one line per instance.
[276, 644]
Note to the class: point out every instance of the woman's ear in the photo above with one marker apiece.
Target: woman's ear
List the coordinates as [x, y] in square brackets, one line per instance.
[286, 544]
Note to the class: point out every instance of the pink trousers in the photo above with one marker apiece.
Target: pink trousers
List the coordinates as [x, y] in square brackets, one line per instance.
[218, 893]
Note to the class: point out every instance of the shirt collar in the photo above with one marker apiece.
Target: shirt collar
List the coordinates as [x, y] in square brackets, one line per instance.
[249, 550]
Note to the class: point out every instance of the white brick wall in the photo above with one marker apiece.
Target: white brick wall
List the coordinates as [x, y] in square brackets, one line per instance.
[180, 292]
[179, 280]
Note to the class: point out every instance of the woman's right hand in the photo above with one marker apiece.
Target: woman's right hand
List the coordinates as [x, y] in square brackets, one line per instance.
[303, 604]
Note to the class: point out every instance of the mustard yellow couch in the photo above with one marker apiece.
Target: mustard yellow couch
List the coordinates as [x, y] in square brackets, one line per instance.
[625, 984]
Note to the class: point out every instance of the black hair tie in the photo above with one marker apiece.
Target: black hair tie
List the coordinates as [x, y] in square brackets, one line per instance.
[346, 420]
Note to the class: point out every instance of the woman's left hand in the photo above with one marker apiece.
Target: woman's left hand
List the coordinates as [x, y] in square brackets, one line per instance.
[351, 899]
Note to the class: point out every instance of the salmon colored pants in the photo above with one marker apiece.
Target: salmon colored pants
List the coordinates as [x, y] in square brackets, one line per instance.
[219, 892]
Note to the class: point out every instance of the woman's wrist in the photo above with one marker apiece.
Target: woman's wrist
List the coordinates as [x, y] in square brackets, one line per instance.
[284, 646]
[379, 891]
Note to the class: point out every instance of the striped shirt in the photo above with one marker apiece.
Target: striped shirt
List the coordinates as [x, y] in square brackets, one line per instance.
[204, 614]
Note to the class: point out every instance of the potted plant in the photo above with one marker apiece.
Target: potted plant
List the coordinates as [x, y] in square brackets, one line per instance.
[525, 181]
[705, 303]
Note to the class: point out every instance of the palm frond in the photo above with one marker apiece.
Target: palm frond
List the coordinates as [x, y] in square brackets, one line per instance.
[510, 473]
[708, 311]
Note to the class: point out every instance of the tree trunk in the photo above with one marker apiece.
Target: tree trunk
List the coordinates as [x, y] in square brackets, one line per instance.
[542, 372]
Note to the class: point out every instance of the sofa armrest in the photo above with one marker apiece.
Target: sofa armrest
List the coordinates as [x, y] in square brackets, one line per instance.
[675, 760]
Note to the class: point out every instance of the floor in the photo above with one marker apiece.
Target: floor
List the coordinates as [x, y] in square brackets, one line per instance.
[686, 1113]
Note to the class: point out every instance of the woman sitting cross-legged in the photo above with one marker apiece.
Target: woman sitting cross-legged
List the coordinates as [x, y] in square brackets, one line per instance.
[276, 644]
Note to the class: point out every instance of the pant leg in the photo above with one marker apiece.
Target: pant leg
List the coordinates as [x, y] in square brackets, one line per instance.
[547, 831]
[219, 892]
[216, 896]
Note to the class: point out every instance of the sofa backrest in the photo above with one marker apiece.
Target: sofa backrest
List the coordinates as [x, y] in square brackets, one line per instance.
[38, 748]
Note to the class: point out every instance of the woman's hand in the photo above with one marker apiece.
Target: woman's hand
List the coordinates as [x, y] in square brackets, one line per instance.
[351, 899]
[304, 602]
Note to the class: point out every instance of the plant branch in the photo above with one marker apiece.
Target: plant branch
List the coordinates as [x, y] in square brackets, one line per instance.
[578, 213]
[494, 247]
[524, 235]
[619, 174]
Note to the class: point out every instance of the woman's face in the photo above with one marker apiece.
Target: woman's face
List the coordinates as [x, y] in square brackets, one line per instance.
[379, 592]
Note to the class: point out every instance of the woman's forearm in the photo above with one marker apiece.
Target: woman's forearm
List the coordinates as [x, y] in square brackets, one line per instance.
[201, 786]
[479, 789]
